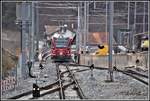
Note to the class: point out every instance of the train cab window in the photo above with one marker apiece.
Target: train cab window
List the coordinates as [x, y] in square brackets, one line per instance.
[61, 42]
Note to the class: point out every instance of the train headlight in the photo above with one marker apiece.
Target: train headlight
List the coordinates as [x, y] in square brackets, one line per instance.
[68, 52]
[61, 53]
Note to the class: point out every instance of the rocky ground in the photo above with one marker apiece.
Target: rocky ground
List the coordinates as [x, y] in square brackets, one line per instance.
[10, 43]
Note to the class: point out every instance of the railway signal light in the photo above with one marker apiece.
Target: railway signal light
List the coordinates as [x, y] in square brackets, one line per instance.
[137, 61]
[36, 90]
[41, 66]
[75, 87]
[114, 68]
[92, 67]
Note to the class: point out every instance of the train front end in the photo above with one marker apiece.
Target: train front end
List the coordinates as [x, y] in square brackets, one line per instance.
[60, 50]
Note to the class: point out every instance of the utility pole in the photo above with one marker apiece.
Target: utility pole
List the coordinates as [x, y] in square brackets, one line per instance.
[82, 27]
[87, 21]
[106, 17]
[79, 34]
[22, 14]
[37, 27]
[23, 39]
[134, 27]
[32, 30]
[144, 18]
[110, 36]
[128, 15]
[30, 53]
[130, 35]
[85, 25]
[19, 22]
[78, 31]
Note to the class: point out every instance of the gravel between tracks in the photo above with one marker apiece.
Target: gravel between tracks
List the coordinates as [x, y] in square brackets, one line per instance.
[123, 87]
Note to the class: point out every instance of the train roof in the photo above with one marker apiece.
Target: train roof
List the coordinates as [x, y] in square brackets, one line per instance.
[67, 34]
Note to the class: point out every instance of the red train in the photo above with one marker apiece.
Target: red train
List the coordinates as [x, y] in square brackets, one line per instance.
[61, 49]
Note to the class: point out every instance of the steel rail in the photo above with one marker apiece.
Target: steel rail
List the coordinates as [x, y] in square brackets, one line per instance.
[55, 89]
[136, 73]
[29, 92]
[61, 92]
[52, 90]
[101, 68]
[82, 70]
[76, 70]
[124, 72]
[80, 92]
[132, 75]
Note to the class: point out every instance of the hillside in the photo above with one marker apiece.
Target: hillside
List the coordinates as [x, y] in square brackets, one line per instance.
[9, 61]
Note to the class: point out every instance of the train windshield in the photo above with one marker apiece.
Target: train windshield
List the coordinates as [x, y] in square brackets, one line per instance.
[61, 43]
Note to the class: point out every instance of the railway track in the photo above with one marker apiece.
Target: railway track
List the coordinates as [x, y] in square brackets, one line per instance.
[73, 91]
[67, 83]
[59, 85]
[61, 91]
[136, 75]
